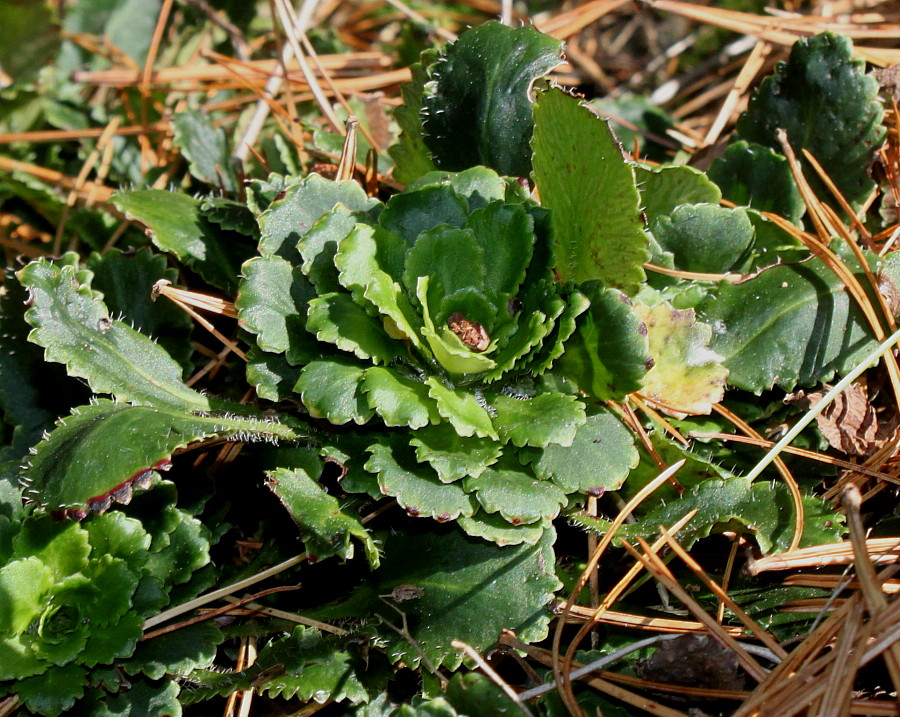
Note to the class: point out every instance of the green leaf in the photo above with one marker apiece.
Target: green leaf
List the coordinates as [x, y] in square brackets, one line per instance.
[126, 282]
[176, 652]
[416, 487]
[608, 356]
[477, 108]
[669, 186]
[763, 510]
[471, 591]
[599, 459]
[102, 446]
[318, 246]
[755, 176]
[449, 257]
[177, 226]
[417, 210]
[23, 586]
[318, 668]
[462, 410]
[686, 375]
[398, 400]
[505, 233]
[454, 456]
[802, 329]
[29, 38]
[76, 329]
[230, 214]
[498, 530]
[332, 389]
[205, 148]
[448, 349]
[410, 155]
[472, 693]
[142, 699]
[271, 375]
[514, 493]
[33, 393]
[545, 419]
[367, 262]
[827, 105]
[180, 547]
[291, 216]
[61, 546]
[335, 319]
[272, 303]
[705, 238]
[590, 188]
[53, 692]
[325, 528]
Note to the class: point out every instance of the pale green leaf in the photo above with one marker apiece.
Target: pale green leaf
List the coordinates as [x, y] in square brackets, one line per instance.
[687, 377]
[545, 419]
[599, 459]
[325, 528]
[75, 328]
[398, 400]
[462, 410]
[584, 179]
[416, 487]
[454, 456]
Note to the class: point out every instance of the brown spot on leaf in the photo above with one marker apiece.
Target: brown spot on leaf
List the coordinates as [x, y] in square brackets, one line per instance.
[471, 333]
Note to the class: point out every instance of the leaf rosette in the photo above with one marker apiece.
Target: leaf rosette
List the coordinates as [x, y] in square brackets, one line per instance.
[435, 314]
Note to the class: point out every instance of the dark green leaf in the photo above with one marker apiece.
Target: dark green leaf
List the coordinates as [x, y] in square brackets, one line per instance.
[410, 155]
[754, 176]
[126, 282]
[29, 38]
[705, 238]
[608, 356]
[178, 227]
[764, 510]
[76, 329]
[827, 105]
[205, 148]
[669, 186]
[326, 529]
[471, 590]
[789, 325]
[176, 652]
[53, 692]
[477, 108]
[104, 445]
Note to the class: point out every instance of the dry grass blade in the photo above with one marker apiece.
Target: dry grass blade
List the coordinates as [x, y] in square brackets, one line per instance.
[785, 31]
[878, 550]
[660, 571]
[781, 467]
[763, 636]
[561, 668]
[803, 452]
